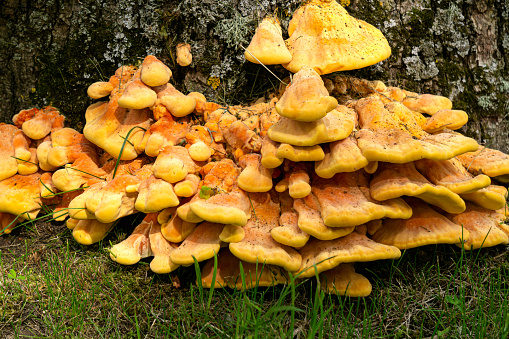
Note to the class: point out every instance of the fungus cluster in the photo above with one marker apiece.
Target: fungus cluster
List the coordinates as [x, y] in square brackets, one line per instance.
[324, 175]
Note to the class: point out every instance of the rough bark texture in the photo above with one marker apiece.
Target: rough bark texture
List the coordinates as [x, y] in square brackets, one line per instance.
[50, 51]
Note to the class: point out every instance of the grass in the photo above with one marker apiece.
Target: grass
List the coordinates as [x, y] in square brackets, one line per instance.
[50, 286]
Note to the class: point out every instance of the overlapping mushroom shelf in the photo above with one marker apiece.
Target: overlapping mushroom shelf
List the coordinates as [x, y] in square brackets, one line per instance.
[296, 184]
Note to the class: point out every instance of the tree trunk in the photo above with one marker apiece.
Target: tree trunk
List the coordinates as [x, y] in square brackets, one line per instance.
[51, 51]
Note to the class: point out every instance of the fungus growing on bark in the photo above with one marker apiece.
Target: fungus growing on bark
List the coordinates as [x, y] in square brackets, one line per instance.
[325, 37]
[267, 45]
[184, 56]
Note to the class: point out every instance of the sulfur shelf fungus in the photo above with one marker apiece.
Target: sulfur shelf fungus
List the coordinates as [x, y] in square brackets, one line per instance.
[184, 56]
[135, 247]
[306, 99]
[345, 201]
[200, 245]
[220, 199]
[427, 103]
[163, 133]
[343, 280]
[230, 273]
[395, 180]
[154, 72]
[451, 174]
[493, 197]
[319, 256]
[178, 104]
[288, 232]
[117, 130]
[254, 177]
[173, 164]
[325, 37]
[88, 232]
[8, 222]
[14, 151]
[341, 156]
[445, 119]
[296, 181]
[425, 227]
[493, 163]
[311, 222]
[110, 200]
[267, 45]
[38, 123]
[258, 246]
[20, 195]
[392, 133]
[483, 227]
[175, 229]
[338, 124]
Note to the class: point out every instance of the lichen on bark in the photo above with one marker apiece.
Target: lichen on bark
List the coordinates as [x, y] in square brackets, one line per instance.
[52, 50]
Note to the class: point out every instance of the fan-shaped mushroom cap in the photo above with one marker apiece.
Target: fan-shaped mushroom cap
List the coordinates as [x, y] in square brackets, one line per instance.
[13, 144]
[188, 187]
[492, 197]
[325, 37]
[173, 164]
[224, 208]
[66, 146]
[343, 280]
[201, 244]
[154, 72]
[336, 125]
[108, 125]
[427, 103]
[21, 195]
[254, 177]
[155, 195]
[396, 180]
[269, 153]
[184, 56]
[232, 233]
[185, 213]
[288, 232]
[345, 201]
[487, 161]
[300, 153]
[310, 221]
[451, 174]
[100, 89]
[177, 103]
[88, 232]
[161, 249]
[342, 156]
[267, 45]
[164, 132]
[136, 246]
[319, 255]
[397, 146]
[229, 274]
[137, 95]
[38, 123]
[482, 224]
[258, 246]
[199, 151]
[391, 133]
[425, 227]
[107, 201]
[306, 98]
[175, 229]
[446, 118]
